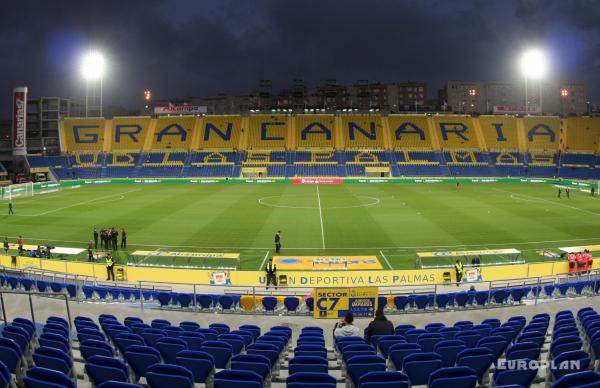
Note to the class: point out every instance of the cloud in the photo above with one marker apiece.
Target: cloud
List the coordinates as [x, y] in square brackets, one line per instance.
[180, 48]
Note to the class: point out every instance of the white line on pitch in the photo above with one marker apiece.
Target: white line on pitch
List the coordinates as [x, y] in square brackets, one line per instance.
[386, 260]
[262, 264]
[76, 204]
[321, 216]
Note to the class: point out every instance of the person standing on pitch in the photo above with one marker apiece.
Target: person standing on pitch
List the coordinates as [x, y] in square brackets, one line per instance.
[559, 192]
[278, 241]
[110, 264]
[6, 245]
[10, 208]
[123, 239]
[96, 238]
[271, 270]
[20, 244]
[568, 192]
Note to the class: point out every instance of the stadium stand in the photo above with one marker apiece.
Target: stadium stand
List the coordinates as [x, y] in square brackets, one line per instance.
[129, 133]
[363, 131]
[455, 132]
[542, 133]
[268, 132]
[499, 132]
[409, 131]
[83, 134]
[583, 134]
[315, 131]
[173, 133]
[483, 146]
[220, 132]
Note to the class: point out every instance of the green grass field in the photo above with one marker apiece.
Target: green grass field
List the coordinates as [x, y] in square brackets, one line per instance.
[397, 220]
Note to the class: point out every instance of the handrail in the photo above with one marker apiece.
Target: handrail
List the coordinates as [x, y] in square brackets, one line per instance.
[258, 291]
[34, 293]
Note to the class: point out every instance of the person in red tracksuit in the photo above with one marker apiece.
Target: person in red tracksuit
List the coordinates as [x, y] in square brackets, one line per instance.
[581, 262]
[572, 263]
[589, 261]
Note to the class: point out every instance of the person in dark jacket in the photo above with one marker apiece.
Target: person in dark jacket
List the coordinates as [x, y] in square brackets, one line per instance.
[379, 326]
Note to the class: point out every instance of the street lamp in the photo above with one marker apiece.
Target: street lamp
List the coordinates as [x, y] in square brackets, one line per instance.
[93, 66]
[534, 66]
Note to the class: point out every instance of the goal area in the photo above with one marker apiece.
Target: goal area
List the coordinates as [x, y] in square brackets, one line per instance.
[447, 259]
[19, 190]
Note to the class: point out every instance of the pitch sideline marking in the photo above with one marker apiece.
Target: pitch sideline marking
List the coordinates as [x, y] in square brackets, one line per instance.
[262, 264]
[77, 204]
[408, 248]
[386, 260]
[321, 216]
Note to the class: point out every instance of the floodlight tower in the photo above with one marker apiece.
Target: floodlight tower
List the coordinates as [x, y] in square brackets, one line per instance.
[93, 66]
[534, 67]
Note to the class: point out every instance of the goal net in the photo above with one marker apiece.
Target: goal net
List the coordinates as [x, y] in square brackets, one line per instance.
[17, 191]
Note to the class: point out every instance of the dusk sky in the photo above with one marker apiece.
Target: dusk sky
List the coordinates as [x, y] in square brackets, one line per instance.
[182, 48]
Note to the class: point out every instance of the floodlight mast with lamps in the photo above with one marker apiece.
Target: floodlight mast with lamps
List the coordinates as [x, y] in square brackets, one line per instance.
[93, 66]
[533, 66]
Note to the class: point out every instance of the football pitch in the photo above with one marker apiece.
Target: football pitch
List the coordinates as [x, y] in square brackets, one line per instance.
[390, 221]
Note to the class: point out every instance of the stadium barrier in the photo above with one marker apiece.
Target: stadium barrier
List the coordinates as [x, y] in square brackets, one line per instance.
[196, 298]
[332, 278]
[42, 187]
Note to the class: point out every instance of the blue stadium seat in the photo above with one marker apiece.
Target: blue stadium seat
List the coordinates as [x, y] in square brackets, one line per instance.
[192, 339]
[265, 349]
[169, 376]
[221, 352]
[124, 340]
[254, 363]
[237, 378]
[516, 375]
[169, 347]
[38, 377]
[5, 375]
[449, 350]
[140, 358]
[55, 359]
[479, 359]
[587, 379]
[568, 363]
[418, 366]
[201, 364]
[384, 379]
[456, 377]
[90, 347]
[310, 380]
[101, 369]
[399, 352]
[308, 364]
[358, 366]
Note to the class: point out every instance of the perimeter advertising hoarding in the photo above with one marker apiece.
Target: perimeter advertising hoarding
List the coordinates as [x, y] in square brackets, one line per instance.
[335, 302]
[19, 121]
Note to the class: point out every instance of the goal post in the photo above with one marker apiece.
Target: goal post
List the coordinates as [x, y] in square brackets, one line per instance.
[19, 190]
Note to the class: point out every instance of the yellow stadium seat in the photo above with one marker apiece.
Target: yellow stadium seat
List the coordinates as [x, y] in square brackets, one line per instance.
[280, 299]
[220, 132]
[315, 131]
[542, 133]
[83, 134]
[455, 131]
[409, 131]
[390, 301]
[499, 132]
[268, 131]
[583, 134]
[362, 131]
[129, 133]
[173, 133]
[247, 302]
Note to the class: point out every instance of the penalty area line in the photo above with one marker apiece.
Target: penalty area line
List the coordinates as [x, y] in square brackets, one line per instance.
[386, 260]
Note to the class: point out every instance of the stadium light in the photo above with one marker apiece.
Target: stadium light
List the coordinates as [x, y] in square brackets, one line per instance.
[534, 64]
[93, 66]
